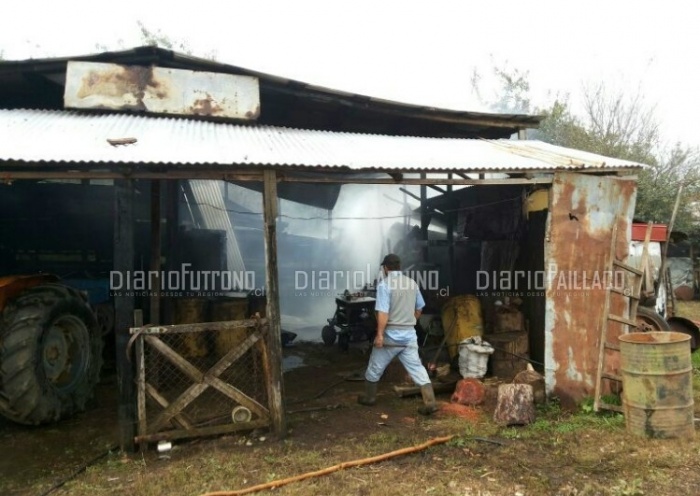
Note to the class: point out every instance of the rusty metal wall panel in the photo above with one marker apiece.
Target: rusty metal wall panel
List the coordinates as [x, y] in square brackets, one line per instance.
[92, 85]
[583, 211]
[69, 136]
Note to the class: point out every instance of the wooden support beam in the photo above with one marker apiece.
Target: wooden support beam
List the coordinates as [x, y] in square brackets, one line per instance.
[172, 214]
[155, 252]
[276, 386]
[438, 387]
[127, 172]
[140, 379]
[202, 431]
[451, 216]
[287, 175]
[179, 420]
[417, 181]
[424, 216]
[124, 310]
[200, 327]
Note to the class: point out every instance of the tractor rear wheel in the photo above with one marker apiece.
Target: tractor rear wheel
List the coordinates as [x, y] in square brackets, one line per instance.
[50, 355]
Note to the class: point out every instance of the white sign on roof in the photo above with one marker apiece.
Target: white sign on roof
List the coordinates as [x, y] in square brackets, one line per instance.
[92, 85]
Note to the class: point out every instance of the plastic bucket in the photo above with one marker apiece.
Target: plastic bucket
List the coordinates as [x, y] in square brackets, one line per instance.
[657, 384]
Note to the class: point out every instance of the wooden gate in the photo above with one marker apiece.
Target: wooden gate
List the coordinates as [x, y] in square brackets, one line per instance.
[201, 379]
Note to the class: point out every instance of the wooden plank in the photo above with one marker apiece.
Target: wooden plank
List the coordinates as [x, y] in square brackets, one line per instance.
[438, 387]
[140, 380]
[199, 327]
[212, 376]
[451, 216]
[176, 407]
[639, 281]
[126, 171]
[173, 357]
[424, 218]
[235, 353]
[237, 395]
[124, 199]
[614, 347]
[202, 431]
[603, 339]
[423, 182]
[623, 292]
[156, 230]
[122, 171]
[628, 268]
[265, 360]
[172, 221]
[275, 389]
[622, 320]
[179, 419]
[612, 377]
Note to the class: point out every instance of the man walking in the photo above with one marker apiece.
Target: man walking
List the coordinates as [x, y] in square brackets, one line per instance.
[399, 304]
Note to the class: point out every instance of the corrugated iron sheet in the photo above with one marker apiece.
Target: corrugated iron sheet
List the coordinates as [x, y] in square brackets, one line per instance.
[583, 210]
[70, 136]
[209, 199]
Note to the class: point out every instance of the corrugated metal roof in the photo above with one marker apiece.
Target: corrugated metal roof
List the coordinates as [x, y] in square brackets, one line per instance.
[75, 137]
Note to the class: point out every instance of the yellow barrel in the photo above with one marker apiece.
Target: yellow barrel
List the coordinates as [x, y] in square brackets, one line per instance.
[461, 319]
[225, 310]
[192, 311]
[657, 386]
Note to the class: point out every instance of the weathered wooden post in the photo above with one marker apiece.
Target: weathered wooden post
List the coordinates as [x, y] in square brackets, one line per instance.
[275, 389]
[154, 278]
[124, 308]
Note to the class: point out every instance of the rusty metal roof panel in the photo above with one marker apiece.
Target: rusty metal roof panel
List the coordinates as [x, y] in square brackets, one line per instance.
[158, 90]
[74, 136]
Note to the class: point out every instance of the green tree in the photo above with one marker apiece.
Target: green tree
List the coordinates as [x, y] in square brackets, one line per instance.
[659, 184]
[615, 124]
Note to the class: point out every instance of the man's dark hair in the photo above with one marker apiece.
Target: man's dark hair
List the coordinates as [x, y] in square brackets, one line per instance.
[392, 262]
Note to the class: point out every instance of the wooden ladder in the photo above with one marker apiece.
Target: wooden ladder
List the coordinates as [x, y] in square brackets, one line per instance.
[629, 323]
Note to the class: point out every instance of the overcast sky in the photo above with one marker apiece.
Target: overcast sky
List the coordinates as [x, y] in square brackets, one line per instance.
[418, 52]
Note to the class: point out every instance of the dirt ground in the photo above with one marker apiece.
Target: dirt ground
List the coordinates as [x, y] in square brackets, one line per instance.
[561, 453]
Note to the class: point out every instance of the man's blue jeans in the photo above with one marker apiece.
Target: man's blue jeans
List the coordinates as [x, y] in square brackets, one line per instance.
[408, 355]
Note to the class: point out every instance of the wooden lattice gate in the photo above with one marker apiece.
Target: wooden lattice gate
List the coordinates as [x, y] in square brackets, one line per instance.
[201, 379]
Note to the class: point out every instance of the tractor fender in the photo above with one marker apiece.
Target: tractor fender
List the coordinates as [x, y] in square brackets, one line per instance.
[12, 286]
[686, 326]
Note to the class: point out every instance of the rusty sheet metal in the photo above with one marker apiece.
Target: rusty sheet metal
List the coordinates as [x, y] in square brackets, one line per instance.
[92, 85]
[577, 250]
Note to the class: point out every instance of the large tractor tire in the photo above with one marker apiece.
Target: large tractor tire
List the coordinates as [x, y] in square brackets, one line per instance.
[50, 355]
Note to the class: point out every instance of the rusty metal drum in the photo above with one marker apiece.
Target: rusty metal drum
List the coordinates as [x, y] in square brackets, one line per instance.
[657, 384]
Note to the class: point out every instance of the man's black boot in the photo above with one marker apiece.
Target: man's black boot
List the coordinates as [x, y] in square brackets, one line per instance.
[370, 396]
[429, 405]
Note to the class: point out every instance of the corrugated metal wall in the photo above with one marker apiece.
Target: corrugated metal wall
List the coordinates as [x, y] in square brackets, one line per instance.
[583, 211]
